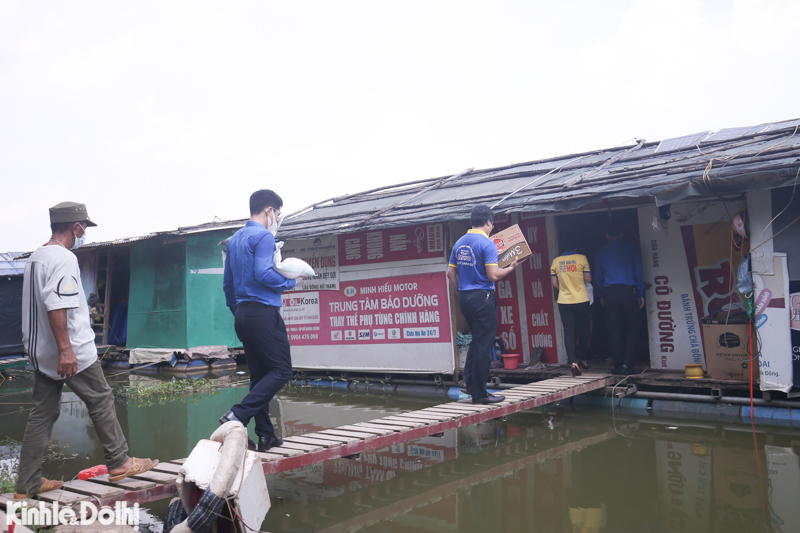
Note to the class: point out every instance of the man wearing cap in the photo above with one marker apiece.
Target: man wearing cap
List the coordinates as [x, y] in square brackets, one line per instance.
[58, 337]
[473, 269]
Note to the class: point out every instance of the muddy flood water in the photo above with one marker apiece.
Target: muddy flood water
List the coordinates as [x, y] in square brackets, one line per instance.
[550, 470]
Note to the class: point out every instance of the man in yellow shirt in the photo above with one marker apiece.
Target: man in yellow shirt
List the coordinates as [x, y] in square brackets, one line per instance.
[569, 274]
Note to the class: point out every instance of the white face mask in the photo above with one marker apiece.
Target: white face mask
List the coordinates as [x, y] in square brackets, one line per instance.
[276, 222]
[79, 240]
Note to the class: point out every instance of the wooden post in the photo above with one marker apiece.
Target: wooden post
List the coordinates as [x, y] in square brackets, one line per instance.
[107, 301]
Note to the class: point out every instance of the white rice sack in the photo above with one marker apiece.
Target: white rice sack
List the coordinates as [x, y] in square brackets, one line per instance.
[292, 268]
[276, 257]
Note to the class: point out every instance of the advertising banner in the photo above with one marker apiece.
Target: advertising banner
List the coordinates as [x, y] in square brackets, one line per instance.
[322, 253]
[690, 273]
[794, 303]
[537, 294]
[408, 309]
[392, 244]
[392, 323]
[774, 337]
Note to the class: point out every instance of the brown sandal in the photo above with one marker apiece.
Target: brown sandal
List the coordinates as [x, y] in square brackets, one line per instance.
[46, 486]
[140, 466]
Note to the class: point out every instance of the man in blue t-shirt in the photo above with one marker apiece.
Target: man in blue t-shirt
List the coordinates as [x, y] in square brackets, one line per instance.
[473, 269]
[620, 287]
[253, 293]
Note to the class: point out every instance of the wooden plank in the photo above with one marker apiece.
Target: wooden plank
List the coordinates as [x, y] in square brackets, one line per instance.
[394, 421]
[369, 430]
[314, 441]
[337, 438]
[348, 433]
[169, 468]
[416, 421]
[467, 407]
[62, 496]
[380, 429]
[157, 477]
[287, 444]
[418, 415]
[178, 461]
[540, 386]
[269, 457]
[127, 483]
[8, 497]
[467, 404]
[286, 452]
[520, 394]
[93, 489]
[448, 414]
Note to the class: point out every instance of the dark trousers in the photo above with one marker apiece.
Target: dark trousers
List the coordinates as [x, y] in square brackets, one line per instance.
[622, 316]
[266, 348]
[91, 387]
[577, 322]
[479, 309]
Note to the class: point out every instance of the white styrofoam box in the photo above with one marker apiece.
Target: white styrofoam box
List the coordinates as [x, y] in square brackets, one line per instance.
[249, 489]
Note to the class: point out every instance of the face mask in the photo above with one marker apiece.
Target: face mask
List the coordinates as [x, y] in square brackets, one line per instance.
[79, 240]
[276, 222]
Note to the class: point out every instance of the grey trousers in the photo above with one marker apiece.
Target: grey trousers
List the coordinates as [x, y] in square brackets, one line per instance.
[90, 385]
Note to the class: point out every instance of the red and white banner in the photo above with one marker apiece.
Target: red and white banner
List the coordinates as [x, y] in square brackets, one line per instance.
[539, 304]
[405, 309]
[392, 244]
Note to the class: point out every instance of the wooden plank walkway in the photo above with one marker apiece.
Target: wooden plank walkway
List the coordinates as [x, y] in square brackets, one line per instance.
[342, 441]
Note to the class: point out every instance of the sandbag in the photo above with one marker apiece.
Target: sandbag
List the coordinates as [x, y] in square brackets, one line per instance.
[292, 268]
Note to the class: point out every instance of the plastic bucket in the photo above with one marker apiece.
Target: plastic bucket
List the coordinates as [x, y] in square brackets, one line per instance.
[511, 360]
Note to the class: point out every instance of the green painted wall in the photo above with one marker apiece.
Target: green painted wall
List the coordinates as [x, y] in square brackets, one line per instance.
[176, 298]
[157, 308]
[210, 322]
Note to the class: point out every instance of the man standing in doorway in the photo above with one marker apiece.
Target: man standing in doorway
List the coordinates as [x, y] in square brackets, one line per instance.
[620, 286]
[253, 293]
[473, 269]
[58, 337]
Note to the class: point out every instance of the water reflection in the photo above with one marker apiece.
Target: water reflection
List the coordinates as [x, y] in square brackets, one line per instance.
[560, 471]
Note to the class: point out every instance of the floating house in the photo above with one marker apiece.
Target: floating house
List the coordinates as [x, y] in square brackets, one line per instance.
[12, 267]
[695, 206]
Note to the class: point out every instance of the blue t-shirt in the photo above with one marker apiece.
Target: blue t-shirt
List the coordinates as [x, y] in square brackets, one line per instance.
[471, 255]
[249, 268]
[618, 263]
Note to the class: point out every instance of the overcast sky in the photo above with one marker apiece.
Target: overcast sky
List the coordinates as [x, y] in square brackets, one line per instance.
[164, 114]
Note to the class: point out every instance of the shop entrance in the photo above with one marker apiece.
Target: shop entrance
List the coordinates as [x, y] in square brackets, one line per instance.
[588, 230]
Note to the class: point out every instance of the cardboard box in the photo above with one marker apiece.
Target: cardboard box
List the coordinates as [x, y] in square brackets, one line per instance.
[726, 343]
[511, 244]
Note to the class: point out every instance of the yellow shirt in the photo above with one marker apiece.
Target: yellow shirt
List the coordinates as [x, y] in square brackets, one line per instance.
[570, 269]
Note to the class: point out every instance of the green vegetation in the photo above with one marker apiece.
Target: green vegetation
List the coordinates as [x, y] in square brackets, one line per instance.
[165, 391]
[9, 460]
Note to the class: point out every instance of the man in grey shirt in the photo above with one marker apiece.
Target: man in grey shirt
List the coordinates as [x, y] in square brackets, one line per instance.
[58, 337]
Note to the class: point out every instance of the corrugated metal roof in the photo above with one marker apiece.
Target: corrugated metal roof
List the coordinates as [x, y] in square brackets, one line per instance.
[705, 164]
[12, 263]
[729, 161]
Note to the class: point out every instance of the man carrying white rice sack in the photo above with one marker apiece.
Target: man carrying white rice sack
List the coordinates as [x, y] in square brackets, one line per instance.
[253, 288]
[291, 267]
